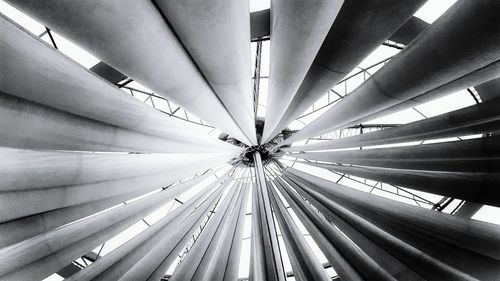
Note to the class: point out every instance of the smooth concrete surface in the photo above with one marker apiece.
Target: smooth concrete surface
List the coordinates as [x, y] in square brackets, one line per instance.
[33, 169]
[428, 266]
[475, 119]
[153, 55]
[211, 251]
[216, 35]
[360, 27]
[34, 71]
[489, 90]
[409, 31]
[464, 39]
[164, 246]
[480, 155]
[134, 245]
[476, 187]
[305, 263]
[477, 77]
[477, 236]
[25, 124]
[41, 255]
[379, 255]
[265, 256]
[298, 29]
[51, 198]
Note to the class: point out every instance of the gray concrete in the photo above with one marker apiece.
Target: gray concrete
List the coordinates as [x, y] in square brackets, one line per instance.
[481, 155]
[476, 187]
[25, 124]
[144, 255]
[379, 255]
[361, 26]
[260, 24]
[477, 236]
[305, 263]
[34, 71]
[44, 254]
[217, 37]
[265, 256]
[477, 77]
[46, 199]
[137, 245]
[152, 56]
[409, 31]
[476, 119]
[464, 39]
[210, 252]
[428, 266]
[351, 262]
[34, 169]
[298, 29]
[489, 90]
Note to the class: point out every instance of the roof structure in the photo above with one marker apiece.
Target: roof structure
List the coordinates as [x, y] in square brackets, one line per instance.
[249, 140]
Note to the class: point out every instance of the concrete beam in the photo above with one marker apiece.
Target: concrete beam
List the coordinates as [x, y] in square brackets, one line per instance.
[489, 90]
[162, 241]
[470, 25]
[298, 29]
[208, 253]
[42, 255]
[476, 187]
[474, 155]
[428, 266]
[217, 37]
[260, 24]
[25, 124]
[360, 27]
[476, 236]
[356, 252]
[36, 72]
[49, 198]
[164, 66]
[305, 264]
[265, 255]
[409, 31]
[476, 119]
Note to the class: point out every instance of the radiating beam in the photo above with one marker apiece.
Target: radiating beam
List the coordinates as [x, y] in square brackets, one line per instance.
[25, 124]
[351, 38]
[265, 255]
[305, 263]
[388, 262]
[429, 266]
[298, 29]
[473, 235]
[36, 72]
[468, 35]
[217, 37]
[476, 119]
[409, 31]
[42, 255]
[489, 90]
[475, 155]
[145, 253]
[475, 187]
[210, 252]
[347, 258]
[105, 28]
[47, 198]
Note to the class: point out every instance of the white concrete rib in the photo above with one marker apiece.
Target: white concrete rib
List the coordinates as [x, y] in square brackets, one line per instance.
[467, 36]
[216, 34]
[133, 37]
[40, 84]
[298, 29]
